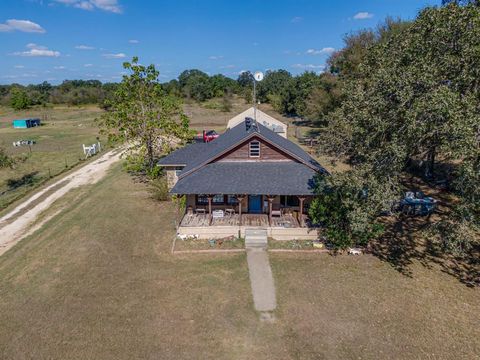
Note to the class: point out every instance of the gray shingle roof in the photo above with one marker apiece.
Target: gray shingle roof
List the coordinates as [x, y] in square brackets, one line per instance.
[183, 155]
[270, 178]
[236, 136]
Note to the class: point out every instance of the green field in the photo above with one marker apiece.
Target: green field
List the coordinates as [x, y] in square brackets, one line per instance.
[98, 282]
[58, 146]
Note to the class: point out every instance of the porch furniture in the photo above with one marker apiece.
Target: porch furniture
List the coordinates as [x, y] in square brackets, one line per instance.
[217, 214]
[412, 205]
[200, 211]
[230, 211]
[276, 210]
[277, 213]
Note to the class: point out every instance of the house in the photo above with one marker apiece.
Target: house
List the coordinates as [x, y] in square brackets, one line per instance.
[249, 177]
[262, 118]
[25, 123]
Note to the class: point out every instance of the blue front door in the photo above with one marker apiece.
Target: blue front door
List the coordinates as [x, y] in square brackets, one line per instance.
[255, 204]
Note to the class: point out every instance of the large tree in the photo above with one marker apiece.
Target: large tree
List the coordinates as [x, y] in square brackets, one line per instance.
[416, 96]
[19, 99]
[142, 113]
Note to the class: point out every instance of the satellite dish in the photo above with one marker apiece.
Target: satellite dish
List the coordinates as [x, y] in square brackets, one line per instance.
[258, 76]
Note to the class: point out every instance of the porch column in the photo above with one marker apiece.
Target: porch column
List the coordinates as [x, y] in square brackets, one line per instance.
[210, 197]
[300, 221]
[270, 206]
[240, 199]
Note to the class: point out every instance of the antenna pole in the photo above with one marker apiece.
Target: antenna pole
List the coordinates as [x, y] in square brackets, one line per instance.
[255, 100]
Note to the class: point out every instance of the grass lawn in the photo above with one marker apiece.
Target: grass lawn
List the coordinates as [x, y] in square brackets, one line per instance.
[58, 146]
[99, 282]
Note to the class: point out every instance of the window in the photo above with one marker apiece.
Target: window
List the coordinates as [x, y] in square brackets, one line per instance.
[255, 149]
[218, 199]
[232, 200]
[202, 200]
[288, 201]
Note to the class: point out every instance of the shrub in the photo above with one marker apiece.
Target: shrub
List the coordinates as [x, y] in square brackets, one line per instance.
[348, 206]
[159, 189]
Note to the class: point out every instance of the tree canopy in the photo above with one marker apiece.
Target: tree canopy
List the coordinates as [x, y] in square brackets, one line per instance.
[414, 96]
[142, 113]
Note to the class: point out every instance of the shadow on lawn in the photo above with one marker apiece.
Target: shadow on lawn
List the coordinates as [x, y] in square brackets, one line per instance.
[405, 242]
[26, 180]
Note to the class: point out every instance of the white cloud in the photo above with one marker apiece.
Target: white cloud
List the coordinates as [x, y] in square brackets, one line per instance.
[296, 19]
[324, 51]
[88, 65]
[35, 46]
[84, 5]
[84, 47]
[21, 25]
[114, 56]
[363, 15]
[227, 67]
[308, 66]
[106, 5]
[19, 67]
[214, 57]
[37, 51]
[61, 67]
[133, 41]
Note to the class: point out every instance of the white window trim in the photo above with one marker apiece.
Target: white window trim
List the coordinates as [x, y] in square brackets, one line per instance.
[250, 149]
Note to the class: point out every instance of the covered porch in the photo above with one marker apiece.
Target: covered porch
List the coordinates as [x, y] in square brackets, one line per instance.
[248, 220]
[216, 216]
[246, 210]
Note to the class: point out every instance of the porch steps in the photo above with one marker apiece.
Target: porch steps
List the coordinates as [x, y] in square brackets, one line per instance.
[255, 238]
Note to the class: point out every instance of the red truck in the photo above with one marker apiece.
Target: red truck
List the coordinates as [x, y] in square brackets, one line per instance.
[208, 135]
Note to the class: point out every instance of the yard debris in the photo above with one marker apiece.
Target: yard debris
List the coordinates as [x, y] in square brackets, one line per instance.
[355, 251]
[185, 237]
[24, 142]
[318, 245]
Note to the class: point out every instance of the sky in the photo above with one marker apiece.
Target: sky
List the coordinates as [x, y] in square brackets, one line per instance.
[54, 40]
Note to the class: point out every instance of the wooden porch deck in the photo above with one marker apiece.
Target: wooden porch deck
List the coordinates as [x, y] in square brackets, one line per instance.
[254, 220]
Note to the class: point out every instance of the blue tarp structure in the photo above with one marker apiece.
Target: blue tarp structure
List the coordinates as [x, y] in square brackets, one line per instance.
[25, 123]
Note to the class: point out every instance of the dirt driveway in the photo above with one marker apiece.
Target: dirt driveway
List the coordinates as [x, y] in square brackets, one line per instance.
[17, 224]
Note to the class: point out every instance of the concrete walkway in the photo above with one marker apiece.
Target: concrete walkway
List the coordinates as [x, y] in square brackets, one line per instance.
[261, 280]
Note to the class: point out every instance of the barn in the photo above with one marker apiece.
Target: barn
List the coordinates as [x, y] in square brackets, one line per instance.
[262, 118]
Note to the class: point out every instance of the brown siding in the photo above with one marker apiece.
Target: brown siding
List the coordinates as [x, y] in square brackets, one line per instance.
[267, 152]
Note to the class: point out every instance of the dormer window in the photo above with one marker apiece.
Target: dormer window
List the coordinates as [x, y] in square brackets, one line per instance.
[254, 149]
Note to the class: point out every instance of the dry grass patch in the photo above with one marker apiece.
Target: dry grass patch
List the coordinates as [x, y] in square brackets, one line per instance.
[58, 146]
[98, 281]
[344, 307]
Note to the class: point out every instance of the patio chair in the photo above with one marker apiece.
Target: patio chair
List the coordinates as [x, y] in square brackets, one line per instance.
[200, 211]
[230, 211]
[276, 210]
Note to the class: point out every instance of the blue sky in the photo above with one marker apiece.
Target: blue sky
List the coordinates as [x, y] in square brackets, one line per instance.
[55, 40]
